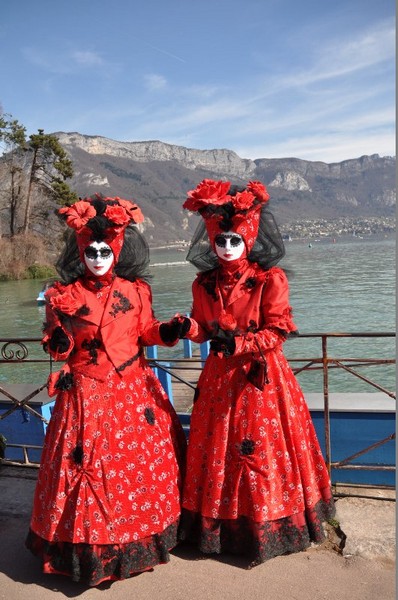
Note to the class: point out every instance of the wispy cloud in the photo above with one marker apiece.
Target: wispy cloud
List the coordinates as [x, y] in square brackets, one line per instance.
[155, 82]
[37, 58]
[62, 62]
[337, 59]
[311, 147]
[87, 58]
[369, 48]
[163, 51]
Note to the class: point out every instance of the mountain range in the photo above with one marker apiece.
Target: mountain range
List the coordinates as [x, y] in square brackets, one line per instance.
[158, 175]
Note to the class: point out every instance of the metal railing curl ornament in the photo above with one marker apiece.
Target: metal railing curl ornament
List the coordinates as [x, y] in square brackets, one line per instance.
[8, 353]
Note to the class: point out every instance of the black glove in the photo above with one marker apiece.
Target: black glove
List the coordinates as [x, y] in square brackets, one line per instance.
[223, 342]
[59, 341]
[176, 329]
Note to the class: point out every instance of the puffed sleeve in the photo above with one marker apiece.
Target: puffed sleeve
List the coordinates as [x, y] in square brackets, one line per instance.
[275, 307]
[276, 313]
[58, 339]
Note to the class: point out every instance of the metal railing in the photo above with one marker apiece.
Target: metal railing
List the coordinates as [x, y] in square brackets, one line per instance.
[349, 365]
[171, 373]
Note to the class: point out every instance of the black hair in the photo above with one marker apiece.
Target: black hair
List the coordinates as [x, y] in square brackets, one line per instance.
[133, 261]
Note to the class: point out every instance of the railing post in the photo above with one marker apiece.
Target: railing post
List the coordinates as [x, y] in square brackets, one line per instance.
[187, 348]
[325, 364]
[165, 379]
[187, 344]
[204, 351]
[151, 353]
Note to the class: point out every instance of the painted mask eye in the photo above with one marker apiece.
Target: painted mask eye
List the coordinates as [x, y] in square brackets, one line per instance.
[235, 241]
[93, 253]
[221, 240]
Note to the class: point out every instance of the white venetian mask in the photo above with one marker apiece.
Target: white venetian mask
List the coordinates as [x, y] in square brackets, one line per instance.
[229, 246]
[98, 257]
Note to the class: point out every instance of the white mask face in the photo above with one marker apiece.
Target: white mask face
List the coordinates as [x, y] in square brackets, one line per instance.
[98, 257]
[229, 246]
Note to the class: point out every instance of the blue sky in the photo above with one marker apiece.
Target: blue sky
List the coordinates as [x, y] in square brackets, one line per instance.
[314, 79]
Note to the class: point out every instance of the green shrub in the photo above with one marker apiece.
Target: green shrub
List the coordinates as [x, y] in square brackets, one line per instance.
[41, 272]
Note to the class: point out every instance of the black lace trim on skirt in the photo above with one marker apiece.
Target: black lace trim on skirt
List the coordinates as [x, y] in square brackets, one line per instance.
[258, 541]
[92, 564]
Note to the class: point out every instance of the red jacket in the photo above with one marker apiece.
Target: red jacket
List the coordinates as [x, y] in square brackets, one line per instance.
[258, 302]
[101, 335]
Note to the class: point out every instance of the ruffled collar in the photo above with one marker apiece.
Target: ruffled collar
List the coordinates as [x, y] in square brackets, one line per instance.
[98, 284]
[233, 269]
[230, 273]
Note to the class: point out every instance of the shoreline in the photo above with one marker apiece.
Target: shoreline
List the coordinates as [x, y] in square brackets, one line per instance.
[330, 239]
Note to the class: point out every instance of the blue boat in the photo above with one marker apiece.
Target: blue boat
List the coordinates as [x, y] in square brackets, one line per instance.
[40, 297]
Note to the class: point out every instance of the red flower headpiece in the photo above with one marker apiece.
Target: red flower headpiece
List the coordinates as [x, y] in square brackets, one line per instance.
[215, 193]
[99, 218]
[118, 212]
[208, 192]
[222, 211]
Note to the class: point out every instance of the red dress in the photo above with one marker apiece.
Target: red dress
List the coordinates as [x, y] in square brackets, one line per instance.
[107, 501]
[256, 482]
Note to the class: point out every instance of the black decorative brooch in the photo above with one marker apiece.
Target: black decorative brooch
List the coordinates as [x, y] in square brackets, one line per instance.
[123, 305]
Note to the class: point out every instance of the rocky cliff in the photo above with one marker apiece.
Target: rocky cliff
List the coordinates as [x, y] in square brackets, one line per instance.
[158, 175]
[216, 161]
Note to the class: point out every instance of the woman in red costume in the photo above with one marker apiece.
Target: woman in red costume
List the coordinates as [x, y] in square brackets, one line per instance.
[107, 501]
[256, 483]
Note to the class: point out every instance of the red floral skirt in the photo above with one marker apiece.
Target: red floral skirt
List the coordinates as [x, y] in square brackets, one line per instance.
[107, 499]
[256, 482]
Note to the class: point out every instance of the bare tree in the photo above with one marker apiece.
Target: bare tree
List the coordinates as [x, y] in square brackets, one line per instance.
[13, 145]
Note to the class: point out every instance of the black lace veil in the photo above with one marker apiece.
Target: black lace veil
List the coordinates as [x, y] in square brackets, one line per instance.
[267, 250]
[133, 260]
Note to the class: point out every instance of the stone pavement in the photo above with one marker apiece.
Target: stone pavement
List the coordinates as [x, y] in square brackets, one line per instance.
[363, 570]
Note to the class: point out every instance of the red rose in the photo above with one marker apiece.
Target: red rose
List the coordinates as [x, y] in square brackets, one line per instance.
[207, 192]
[227, 321]
[117, 214]
[259, 190]
[243, 200]
[132, 210]
[78, 215]
[64, 303]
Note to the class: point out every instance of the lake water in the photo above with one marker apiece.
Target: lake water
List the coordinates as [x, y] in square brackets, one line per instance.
[347, 286]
